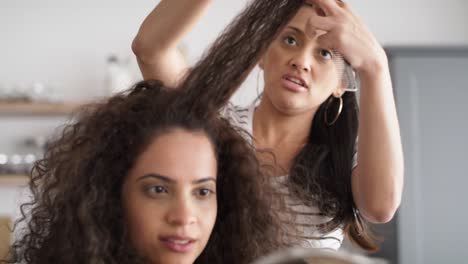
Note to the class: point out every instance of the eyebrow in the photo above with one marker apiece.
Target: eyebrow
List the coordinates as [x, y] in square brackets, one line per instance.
[295, 29]
[172, 181]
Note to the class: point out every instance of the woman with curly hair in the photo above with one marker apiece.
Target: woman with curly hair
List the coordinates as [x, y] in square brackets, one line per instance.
[145, 178]
[307, 116]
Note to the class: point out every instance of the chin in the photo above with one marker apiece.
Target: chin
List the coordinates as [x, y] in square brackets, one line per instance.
[291, 106]
[288, 103]
[175, 260]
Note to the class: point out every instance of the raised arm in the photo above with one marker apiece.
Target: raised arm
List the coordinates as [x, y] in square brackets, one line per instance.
[155, 45]
[377, 181]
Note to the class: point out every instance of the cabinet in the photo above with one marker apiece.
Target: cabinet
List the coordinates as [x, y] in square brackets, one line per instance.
[431, 89]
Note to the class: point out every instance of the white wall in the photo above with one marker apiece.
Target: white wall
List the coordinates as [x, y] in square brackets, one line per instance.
[66, 43]
[416, 22]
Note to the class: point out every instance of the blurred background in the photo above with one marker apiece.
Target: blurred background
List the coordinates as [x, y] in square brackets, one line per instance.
[58, 54]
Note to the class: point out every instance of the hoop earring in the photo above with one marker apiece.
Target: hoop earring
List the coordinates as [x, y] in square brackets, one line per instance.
[340, 107]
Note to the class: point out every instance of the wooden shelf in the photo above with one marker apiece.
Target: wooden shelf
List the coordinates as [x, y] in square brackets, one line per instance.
[14, 180]
[38, 108]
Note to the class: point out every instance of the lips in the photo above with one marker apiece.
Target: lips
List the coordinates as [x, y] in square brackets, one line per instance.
[294, 83]
[296, 79]
[178, 244]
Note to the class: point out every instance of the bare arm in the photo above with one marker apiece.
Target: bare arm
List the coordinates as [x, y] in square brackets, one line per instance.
[377, 181]
[155, 45]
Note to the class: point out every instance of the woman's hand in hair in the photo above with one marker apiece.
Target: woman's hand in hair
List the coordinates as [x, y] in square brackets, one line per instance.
[377, 182]
[347, 34]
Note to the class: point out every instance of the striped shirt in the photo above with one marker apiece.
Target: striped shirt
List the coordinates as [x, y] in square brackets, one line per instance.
[307, 218]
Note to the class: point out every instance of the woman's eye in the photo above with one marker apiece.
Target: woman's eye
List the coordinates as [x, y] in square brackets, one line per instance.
[204, 193]
[326, 54]
[290, 40]
[158, 189]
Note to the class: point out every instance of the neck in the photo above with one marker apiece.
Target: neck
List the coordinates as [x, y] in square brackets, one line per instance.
[273, 128]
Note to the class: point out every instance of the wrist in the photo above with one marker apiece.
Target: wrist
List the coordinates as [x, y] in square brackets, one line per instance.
[376, 66]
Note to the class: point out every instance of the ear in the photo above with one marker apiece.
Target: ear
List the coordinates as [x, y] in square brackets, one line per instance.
[339, 91]
[260, 63]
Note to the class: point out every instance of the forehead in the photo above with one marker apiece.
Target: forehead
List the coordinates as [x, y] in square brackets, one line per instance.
[299, 24]
[302, 16]
[178, 154]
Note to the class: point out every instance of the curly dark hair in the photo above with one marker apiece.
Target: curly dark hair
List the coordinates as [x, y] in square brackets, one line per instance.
[321, 172]
[76, 213]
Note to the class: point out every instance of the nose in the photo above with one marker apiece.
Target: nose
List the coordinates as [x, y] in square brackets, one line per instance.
[301, 62]
[181, 212]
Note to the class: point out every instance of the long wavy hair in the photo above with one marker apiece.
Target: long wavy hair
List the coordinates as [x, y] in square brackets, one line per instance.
[321, 172]
[76, 213]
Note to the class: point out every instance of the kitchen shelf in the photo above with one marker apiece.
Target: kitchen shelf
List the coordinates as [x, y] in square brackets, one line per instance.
[14, 180]
[25, 108]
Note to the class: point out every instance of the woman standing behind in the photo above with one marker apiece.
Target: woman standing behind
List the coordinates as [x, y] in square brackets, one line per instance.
[307, 117]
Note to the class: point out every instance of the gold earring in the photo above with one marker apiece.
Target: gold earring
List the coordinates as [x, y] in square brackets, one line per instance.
[340, 107]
